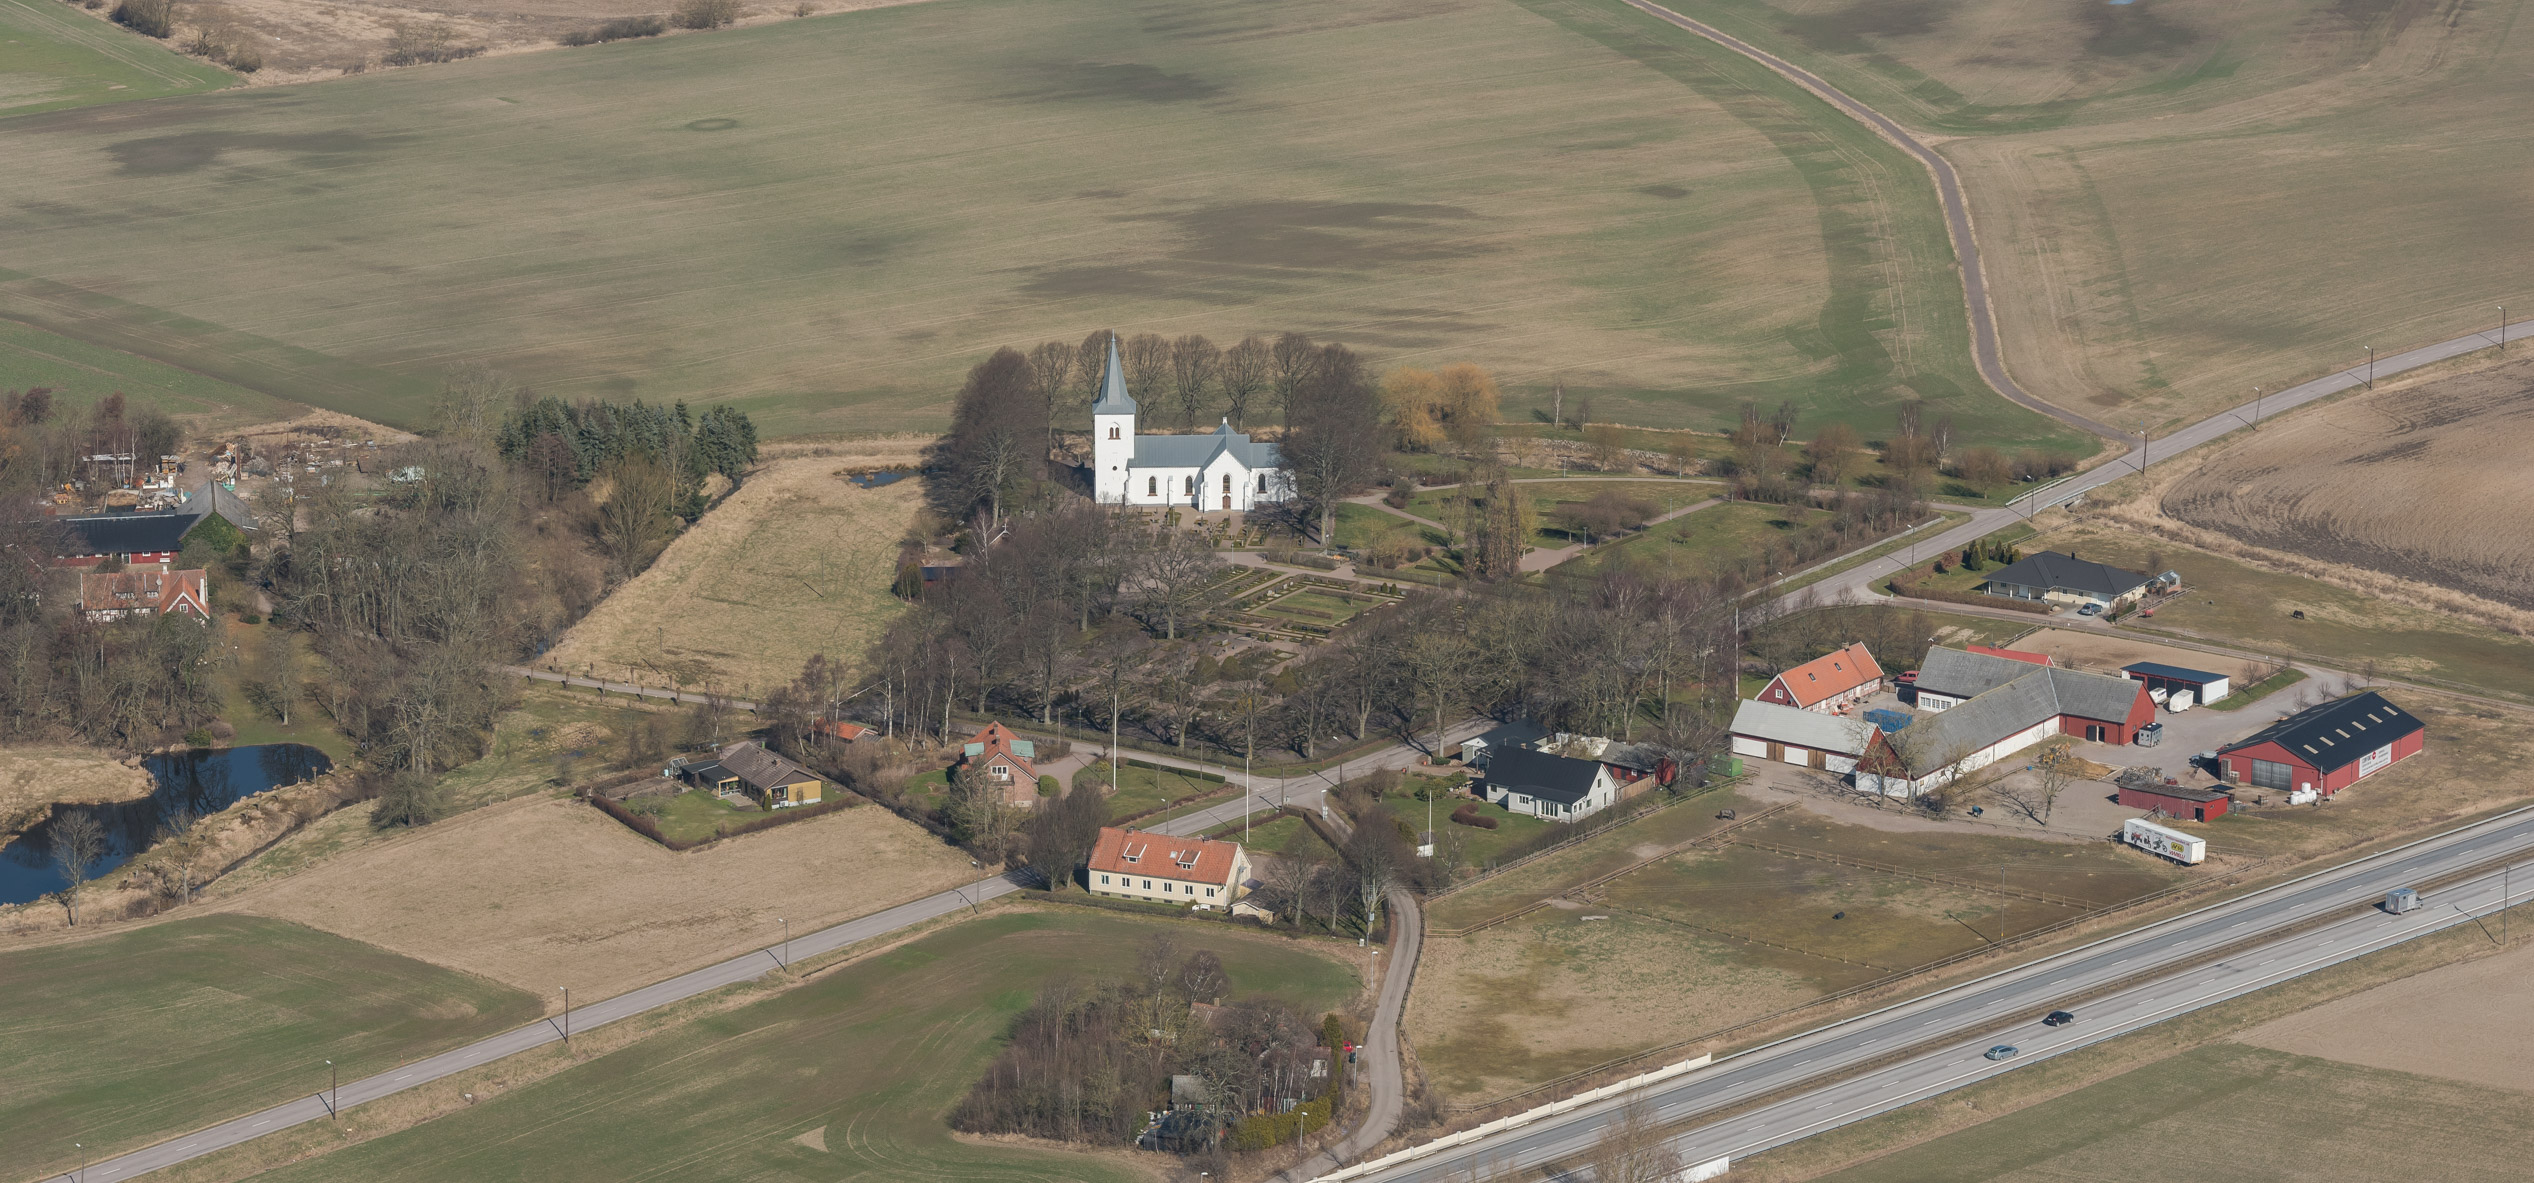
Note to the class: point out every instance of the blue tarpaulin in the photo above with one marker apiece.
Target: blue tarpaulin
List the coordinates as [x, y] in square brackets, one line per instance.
[1889, 721]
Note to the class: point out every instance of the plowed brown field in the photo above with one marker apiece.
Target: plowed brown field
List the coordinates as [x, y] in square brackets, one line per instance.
[2426, 483]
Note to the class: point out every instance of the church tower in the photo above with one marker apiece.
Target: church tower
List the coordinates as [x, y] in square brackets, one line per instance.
[1112, 432]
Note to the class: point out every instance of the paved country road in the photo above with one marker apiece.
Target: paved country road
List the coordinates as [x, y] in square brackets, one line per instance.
[1304, 791]
[1939, 1038]
[1856, 583]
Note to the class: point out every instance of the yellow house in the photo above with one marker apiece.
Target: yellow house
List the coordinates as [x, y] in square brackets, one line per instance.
[746, 767]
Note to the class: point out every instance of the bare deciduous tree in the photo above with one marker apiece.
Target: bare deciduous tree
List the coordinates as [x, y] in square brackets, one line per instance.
[1171, 575]
[1246, 368]
[1194, 362]
[79, 843]
[1633, 1149]
[634, 521]
[1146, 357]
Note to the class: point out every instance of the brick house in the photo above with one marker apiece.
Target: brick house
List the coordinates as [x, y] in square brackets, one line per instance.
[1007, 762]
[148, 591]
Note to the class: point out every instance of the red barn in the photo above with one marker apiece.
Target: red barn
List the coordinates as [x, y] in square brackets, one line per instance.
[2176, 801]
[2325, 748]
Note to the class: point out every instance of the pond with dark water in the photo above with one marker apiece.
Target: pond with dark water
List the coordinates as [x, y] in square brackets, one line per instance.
[202, 782]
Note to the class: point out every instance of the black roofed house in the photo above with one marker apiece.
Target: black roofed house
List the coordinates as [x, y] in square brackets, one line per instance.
[1554, 787]
[2056, 578]
[748, 769]
[2324, 749]
[137, 539]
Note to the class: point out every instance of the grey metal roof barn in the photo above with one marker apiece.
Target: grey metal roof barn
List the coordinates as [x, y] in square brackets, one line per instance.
[1996, 711]
[1796, 726]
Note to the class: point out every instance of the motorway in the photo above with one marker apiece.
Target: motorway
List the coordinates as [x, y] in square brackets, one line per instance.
[1939, 1037]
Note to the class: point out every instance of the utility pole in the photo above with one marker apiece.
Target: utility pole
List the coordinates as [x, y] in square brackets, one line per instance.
[2371, 367]
[2503, 328]
[334, 1091]
[2256, 408]
[786, 959]
[567, 1016]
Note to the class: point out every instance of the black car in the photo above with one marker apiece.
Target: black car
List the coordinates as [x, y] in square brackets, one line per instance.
[2057, 1018]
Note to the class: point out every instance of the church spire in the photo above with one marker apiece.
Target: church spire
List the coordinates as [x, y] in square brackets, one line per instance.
[1113, 397]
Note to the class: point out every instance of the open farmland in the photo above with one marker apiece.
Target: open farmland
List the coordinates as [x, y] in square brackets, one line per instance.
[2471, 1021]
[846, 1077]
[118, 1040]
[2285, 1117]
[2426, 483]
[1780, 912]
[80, 374]
[548, 891]
[2183, 199]
[826, 221]
[797, 562]
[53, 56]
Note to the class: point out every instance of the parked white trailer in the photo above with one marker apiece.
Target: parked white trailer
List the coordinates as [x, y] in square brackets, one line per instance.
[2156, 839]
[2159, 694]
[2178, 701]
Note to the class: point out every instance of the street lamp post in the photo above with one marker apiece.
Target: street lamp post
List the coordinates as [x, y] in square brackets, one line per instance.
[786, 959]
[2503, 328]
[334, 1091]
[2256, 408]
[2371, 367]
[567, 1015]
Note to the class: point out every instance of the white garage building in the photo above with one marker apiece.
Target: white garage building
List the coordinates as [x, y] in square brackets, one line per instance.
[1792, 735]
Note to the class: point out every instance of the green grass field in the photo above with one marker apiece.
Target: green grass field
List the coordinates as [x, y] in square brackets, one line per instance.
[1359, 525]
[2316, 1119]
[2180, 200]
[873, 1055]
[1142, 788]
[80, 374]
[827, 221]
[1695, 542]
[1607, 851]
[119, 1041]
[1446, 505]
[696, 815]
[53, 57]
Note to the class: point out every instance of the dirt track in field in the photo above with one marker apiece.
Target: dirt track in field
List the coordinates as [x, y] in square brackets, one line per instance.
[2472, 1021]
[2424, 483]
[548, 891]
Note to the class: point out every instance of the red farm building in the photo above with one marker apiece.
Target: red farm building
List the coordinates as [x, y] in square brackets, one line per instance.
[2325, 748]
[2177, 801]
[1827, 683]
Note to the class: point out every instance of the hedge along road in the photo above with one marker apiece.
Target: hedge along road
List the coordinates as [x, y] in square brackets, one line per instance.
[1384, 1076]
[1957, 212]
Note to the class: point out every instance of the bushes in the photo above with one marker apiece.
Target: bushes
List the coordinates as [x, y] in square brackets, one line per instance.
[705, 14]
[623, 28]
[150, 18]
[1262, 1130]
[414, 45]
[1468, 815]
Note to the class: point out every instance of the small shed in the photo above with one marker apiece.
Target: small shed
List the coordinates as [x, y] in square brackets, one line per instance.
[2177, 801]
[2203, 685]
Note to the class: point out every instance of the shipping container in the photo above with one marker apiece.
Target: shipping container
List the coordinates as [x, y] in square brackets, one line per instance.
[2156, 839]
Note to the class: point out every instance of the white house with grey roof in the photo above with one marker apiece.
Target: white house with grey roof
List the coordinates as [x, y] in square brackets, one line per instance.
[1222, 469]
[1793, 735]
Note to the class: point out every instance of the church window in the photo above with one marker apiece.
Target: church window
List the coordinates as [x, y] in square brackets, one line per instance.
[1152, 486]
[1192, 485]
[1227, 482]
[1112, 431]
[1262, 482]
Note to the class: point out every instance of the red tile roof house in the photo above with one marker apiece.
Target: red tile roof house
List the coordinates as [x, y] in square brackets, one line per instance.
[148, 592]
[1826, 683]
[1006, 759]
[1137, 865]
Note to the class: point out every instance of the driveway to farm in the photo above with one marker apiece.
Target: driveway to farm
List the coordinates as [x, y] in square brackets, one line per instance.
[1904, 1053]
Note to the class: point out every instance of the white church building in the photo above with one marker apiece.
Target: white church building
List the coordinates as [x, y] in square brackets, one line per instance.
[1217, 471]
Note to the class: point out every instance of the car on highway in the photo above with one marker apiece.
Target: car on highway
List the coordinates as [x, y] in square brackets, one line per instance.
[2058, 1018]
[2004, 1051]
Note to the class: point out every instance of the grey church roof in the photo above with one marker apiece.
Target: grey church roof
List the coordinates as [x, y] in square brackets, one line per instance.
[1197, 451]
[1113, 396]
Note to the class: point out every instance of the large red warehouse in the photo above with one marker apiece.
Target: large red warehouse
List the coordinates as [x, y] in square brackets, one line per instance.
[2326, 748]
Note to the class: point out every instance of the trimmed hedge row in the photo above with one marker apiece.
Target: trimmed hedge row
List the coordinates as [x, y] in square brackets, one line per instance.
[1949, 596]
[645, 827]
[1468, 815]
